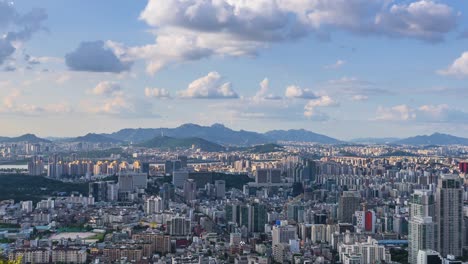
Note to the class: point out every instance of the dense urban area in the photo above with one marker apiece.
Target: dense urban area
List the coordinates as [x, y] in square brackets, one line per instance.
[95, 199]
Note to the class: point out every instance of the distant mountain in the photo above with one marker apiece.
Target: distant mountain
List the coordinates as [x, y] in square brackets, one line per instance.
[386, 140]
[166, 142]
[30, 138]
[216, 133]
[300, 135]
[94, 138]
[434, 139]
[220, 134]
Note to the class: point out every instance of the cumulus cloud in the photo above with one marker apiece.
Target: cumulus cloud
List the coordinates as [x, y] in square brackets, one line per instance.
[311, 108]
[188, 30]
[263, 92]
[96, 56]
[157, 93]
[106, 88]
[423, 19]
[458, 68]
[294, 91]
[211, 86]
[17, 28]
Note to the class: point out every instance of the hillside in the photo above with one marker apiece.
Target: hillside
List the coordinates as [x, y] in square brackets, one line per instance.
[300, 135]
[30, 138]
[216, 133]
[94, 138]
[186, 143]
[434, 139]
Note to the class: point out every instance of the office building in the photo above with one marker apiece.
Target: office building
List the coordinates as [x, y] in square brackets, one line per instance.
[282, 234]
[421, 227]
[190, 190]
[449, 215]
[179, 177]
[349, 203]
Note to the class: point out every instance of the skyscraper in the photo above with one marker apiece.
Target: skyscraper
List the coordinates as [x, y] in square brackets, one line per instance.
[220, 187]
[257, 217]
[421, 225]
[449, 215]
[350, 202]
[190, 190]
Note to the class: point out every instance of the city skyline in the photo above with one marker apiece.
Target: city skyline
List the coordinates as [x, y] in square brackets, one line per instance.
[346, 69]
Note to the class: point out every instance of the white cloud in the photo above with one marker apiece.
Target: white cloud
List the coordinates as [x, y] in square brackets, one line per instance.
[338, 64]
[294, 91]
[396, 113]
[458, 68]
[106, 88]
[263, 92]
[211, 86]
[311, 111]
[322, 101]
[11, 105]
[441, 113]
[157, 93]
[188, 30]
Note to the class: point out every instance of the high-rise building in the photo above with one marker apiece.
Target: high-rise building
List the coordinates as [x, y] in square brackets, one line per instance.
[35, 166]
[350, 202]
[421, 225]
[268, 176]
[170, 166]
[132, 181]
[179, 178]
[365, 221]
[257, 217]
[282, 234]
[295, 212]
[449, 215]
[154, 204]
[428, 256]
[179, 226]
[167, 192]
[98, 190]
[220, 187]
[190, 190]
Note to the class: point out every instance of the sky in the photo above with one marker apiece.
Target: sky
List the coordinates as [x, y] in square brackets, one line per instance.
[344, 68]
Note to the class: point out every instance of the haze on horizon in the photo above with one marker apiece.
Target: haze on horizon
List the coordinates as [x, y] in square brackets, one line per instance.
[344, 68]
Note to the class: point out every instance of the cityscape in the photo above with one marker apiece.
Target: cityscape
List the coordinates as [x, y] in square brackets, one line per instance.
[234, 131]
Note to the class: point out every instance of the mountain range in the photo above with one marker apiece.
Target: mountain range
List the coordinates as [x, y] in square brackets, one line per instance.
[220, 134]
[30, 138]
[224, 136]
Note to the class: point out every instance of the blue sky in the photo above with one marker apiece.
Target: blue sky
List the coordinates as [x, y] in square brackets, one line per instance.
[345, 68]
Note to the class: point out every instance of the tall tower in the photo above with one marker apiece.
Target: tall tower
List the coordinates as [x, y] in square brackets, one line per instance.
[449, 215]
[421, 223]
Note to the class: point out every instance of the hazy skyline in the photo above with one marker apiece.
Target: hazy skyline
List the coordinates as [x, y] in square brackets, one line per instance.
[344, 68]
